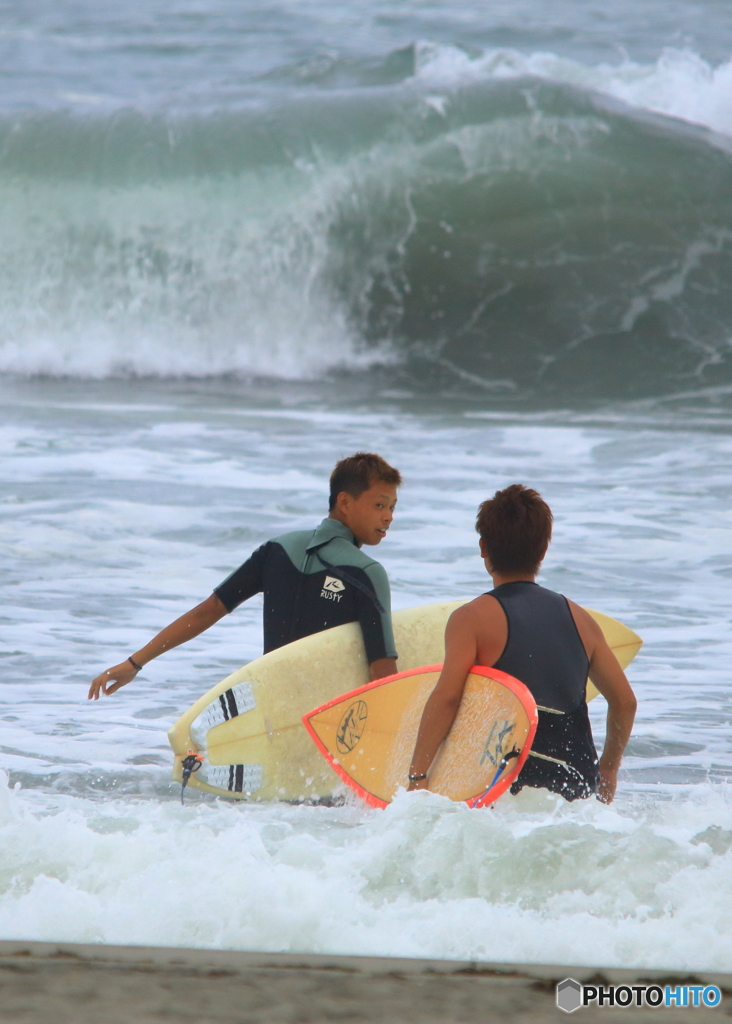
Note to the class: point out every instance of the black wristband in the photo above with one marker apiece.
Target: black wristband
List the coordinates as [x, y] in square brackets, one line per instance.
[417, 778]
[137, 668]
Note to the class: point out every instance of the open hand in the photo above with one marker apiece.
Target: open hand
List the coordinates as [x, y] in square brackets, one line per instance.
[608, 785]
[111, 680]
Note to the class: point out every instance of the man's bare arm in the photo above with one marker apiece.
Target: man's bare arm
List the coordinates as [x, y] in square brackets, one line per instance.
[192, 624]
[611, 681]
[382, 667]
[444, 701]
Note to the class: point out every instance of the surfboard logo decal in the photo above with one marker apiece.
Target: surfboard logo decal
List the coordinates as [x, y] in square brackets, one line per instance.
[334, 585]
[493, 750]
[351, 726]
[332, 589]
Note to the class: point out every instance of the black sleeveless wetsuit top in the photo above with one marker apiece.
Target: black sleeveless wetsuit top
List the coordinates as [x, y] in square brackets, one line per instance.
[545, 652]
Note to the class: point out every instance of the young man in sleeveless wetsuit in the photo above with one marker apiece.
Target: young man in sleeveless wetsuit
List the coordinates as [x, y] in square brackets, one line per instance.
[548, 642]
[311, 579]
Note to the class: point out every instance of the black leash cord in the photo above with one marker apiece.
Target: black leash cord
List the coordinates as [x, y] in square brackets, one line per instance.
[509, 756]
[501, 769]
[190, 764]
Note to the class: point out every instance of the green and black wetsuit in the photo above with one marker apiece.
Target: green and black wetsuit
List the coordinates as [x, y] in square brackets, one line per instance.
[313, 580]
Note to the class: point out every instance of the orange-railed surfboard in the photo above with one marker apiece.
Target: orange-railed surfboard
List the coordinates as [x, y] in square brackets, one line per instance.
[368, 735]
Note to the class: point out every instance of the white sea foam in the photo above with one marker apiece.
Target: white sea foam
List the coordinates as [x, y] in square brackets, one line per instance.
[680, 83]
[534, 880]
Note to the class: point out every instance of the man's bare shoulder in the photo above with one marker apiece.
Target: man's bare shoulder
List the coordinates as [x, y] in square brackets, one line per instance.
[590, 633]
[583, 619]
[480, 610]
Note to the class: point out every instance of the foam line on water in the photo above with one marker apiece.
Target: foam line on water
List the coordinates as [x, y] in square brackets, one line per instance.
[535, 880]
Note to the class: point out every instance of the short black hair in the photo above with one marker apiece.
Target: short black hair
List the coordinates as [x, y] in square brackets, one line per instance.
[515, 526]
[358, 472]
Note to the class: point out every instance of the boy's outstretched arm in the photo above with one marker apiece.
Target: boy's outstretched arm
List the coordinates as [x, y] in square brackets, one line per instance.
[194, 622]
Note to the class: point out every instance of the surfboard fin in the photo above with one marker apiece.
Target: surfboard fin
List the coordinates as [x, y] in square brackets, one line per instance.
[191, 763]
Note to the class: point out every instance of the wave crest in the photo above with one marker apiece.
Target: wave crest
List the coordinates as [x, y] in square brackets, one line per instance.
[680, 83]
[514, 233]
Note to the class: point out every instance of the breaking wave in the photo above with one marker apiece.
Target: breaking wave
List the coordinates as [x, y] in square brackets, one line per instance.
[495, 221]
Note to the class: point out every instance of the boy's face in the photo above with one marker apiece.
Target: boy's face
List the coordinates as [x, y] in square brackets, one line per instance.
[369, 516]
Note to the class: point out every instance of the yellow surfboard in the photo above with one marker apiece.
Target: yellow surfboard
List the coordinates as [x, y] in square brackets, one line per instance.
[622, 641]
[368, 735]
[249, 726]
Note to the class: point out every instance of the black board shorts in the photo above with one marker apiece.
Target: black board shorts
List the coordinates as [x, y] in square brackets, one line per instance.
[569, 765]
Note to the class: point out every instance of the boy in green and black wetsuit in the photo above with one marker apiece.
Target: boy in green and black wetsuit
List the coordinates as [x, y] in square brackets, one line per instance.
[311, 579]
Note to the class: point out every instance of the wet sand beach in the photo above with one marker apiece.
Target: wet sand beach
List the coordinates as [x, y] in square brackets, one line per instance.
[70, 983]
